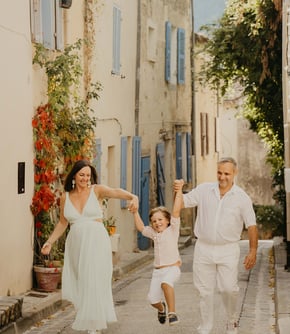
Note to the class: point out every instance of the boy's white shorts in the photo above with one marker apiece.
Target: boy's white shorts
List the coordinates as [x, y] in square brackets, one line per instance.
[168, 275]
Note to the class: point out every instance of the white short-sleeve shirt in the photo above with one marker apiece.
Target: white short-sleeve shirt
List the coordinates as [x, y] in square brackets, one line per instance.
[165, 243]
[220, 220]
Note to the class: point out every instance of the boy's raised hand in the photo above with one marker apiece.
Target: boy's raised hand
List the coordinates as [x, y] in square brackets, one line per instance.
[177, 185]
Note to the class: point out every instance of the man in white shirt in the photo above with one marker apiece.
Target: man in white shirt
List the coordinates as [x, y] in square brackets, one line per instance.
[223, 209]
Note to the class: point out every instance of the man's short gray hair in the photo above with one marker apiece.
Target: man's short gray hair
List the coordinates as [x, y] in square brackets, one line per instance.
[228, 159]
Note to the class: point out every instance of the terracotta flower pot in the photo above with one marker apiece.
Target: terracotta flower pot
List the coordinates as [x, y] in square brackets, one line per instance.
[112, 230]
[47, 278]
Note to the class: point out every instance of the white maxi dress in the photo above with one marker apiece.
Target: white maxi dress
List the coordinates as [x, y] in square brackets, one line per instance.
[87, 271]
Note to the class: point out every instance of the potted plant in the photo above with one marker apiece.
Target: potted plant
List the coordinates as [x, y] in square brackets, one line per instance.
[110, 225]
[47, 269]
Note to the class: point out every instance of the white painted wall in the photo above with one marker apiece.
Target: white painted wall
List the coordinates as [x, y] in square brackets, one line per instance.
[16, 110]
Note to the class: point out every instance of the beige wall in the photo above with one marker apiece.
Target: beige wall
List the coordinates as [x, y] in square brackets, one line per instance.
[206, 101]
[116, 106]
[16, 110]
[238, 141]
[163, 107]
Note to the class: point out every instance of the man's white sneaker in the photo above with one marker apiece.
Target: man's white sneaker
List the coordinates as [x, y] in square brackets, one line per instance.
[232, 328]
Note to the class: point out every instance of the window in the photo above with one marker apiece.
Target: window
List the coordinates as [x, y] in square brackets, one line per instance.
[180, 56]
[173, 60]
[204, 133]
[47, 23]
[174, 54]
[116, 40]
[183, 156]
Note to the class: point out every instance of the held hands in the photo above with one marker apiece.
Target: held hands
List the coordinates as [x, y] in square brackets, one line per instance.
[133, 204]
[177, 185]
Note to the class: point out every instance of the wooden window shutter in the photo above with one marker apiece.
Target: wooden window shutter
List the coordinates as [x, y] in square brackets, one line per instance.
[123, 180]
[59, 26]
[180, 56]
[178, 155]
[188, 157]
[97, 160]
[204, 133]
[136, 168]
[167, 50]
[48, 23]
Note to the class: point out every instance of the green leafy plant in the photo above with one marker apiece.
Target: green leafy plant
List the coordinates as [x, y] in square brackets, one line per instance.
[109, 222]
[270, 219]
[245, 47]
[63, 132]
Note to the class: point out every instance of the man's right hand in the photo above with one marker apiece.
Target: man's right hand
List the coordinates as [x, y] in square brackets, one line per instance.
[177, 185]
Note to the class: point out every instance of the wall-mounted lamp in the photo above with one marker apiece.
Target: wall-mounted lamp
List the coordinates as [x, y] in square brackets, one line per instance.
[65, 3]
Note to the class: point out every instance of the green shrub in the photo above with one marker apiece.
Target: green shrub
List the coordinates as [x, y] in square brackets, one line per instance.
[270, 218]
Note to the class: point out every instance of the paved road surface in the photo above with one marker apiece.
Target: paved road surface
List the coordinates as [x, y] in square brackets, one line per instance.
[136, 316]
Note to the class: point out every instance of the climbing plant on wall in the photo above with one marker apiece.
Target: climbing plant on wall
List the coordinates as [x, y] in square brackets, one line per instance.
[63, 132]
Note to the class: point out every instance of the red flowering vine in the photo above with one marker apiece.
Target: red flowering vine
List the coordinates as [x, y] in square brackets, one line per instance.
[44, 198]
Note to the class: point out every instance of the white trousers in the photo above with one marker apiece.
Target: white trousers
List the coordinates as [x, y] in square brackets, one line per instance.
[216, 266]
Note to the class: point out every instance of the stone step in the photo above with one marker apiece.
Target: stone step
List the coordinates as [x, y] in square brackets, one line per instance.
[10, 310]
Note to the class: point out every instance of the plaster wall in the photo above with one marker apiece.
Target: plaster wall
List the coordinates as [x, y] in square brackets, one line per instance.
[16, 110]
[206, 101]
[244, 145]
[164, 107]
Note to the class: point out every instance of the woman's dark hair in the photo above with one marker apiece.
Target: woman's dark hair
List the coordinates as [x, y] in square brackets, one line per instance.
[76, 167]
[161, 209]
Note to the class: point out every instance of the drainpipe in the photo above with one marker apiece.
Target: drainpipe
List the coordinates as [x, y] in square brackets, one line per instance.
[193, 97]
[138, 61]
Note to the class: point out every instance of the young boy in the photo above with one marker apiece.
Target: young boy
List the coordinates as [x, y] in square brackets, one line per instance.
[164, 231]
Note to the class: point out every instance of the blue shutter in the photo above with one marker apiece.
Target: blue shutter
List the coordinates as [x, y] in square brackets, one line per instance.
[58, 25]
[123, 180]
[116, 40]
[160, 153]
[35, 21]
[136, 168]
[48, 23]
[180, 56]
[97, 160]
[167, 50]
[178, 155]
[188, 157]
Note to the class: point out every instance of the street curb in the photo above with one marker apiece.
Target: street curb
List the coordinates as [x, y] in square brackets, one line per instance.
[281, 285]
[35, 315]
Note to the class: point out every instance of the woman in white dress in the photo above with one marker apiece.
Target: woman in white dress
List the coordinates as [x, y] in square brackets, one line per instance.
[87, 272]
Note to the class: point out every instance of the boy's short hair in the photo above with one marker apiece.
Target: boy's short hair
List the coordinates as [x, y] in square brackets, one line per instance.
[161, 209]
